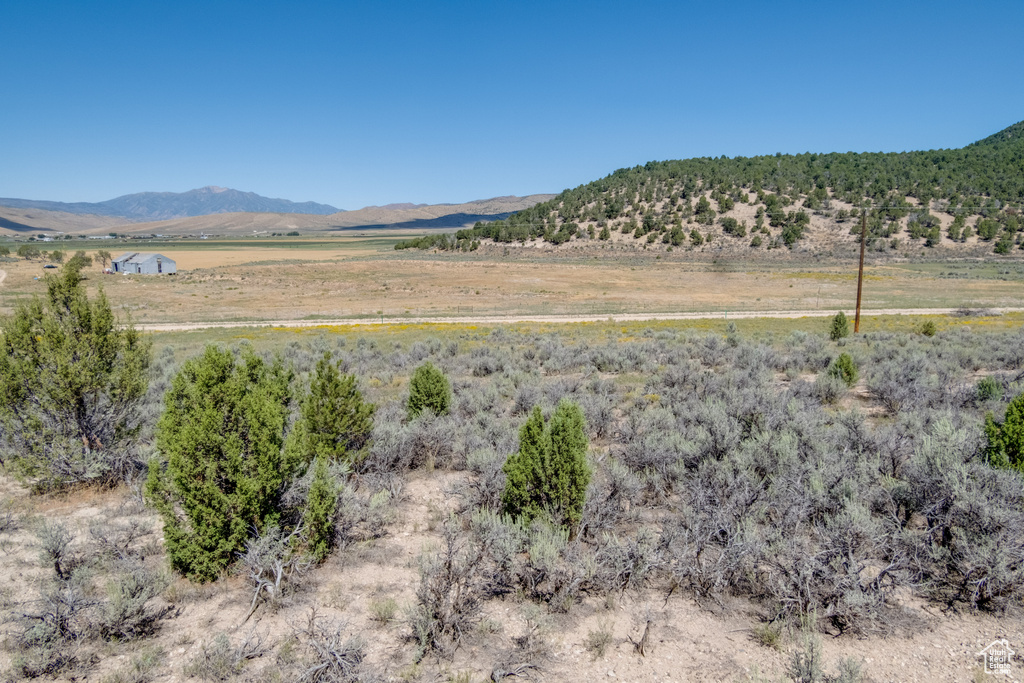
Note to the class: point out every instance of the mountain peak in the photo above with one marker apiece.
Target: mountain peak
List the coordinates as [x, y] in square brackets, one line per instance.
[212, 189]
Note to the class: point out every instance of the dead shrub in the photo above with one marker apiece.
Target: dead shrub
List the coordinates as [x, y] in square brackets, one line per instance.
[449, 595]
[332, 657]
[117, 539]
[624, 564]
[54, 542]
[272, 565]
[46, 635]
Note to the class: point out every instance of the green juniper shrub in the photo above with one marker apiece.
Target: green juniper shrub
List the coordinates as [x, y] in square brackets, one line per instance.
[334, 420]
[334, 426]
[429, 388]
[844, 368]
[733, 227]
[72, 382]
[524, 470]
[318, 517]
[840, 327]
[567, 471]
[549, 475]
[1005, 446]
[222, 433]
[928, 328]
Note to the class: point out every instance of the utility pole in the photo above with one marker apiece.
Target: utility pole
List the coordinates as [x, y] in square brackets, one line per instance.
[860, 272]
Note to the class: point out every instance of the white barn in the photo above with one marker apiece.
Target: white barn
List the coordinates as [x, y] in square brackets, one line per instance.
[143, 263]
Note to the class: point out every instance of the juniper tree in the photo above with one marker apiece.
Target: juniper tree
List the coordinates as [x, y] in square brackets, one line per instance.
[840, 327]
[1006, 439]
[549, 474]
[524, 470]
[221, 433]
[988, 388]
[566, 468]
[843, 367]
[71, 385]
[429, 388]
[334, 422]
[318, 517]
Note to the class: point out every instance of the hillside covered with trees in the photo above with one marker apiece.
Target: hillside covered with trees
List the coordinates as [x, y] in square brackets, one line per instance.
[948, 197]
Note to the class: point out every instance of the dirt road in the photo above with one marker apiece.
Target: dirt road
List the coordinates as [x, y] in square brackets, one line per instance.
[499, 320]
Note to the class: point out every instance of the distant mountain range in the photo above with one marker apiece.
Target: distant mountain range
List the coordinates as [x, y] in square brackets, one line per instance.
[159, 206]
[219, 211]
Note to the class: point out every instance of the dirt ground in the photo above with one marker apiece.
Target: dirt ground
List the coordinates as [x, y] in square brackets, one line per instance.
[687, 641]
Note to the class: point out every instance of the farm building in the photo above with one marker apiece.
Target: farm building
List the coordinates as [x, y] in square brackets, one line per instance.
[143, 263]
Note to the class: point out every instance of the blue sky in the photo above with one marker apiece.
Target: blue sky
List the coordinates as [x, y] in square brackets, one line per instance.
[358, 103]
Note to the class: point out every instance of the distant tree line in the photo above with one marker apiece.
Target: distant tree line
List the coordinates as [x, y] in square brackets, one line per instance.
[444, 242]
[654, 201]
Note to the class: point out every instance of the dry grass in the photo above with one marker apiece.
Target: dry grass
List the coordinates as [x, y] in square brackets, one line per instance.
[358, 276]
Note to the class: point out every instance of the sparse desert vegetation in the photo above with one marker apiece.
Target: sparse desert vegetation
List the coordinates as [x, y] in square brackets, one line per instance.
[757, 501]
[719, 499]
[479, 343]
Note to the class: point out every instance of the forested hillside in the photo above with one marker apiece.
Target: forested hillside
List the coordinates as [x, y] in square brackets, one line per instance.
[947, 197]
